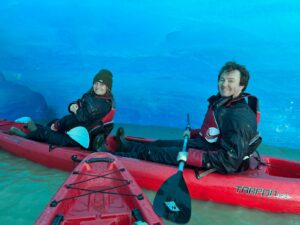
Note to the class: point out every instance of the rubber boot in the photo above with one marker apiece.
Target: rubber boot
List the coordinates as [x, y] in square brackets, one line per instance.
[18, 132]
[123, 144]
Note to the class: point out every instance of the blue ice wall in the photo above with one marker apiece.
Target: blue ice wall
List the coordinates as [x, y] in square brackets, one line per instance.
[165, 55]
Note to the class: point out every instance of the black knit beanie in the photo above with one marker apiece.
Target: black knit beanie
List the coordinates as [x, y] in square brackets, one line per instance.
[104, 76]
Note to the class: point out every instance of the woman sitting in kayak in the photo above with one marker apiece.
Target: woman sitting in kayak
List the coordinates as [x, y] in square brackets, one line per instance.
[227, 137]
[86, 113]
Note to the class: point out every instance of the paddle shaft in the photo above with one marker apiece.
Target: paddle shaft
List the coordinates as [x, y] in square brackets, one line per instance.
[181, 164]
[172, 200]
[185, 141]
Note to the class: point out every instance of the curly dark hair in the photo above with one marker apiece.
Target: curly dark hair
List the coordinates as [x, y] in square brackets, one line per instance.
[230, 66]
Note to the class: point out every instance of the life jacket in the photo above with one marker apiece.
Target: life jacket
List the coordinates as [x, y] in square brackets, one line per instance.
[210, 129]
[102, 125]
[99, 131]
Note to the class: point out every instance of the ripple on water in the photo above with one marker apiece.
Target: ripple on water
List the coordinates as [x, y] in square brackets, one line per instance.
[25, 189]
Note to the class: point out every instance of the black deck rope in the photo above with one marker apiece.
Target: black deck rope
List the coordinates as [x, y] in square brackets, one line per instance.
[105, 190]
[280, 167]
[98, 176]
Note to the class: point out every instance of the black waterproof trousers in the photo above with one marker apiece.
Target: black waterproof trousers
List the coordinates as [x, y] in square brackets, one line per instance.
[161, 151]
[45, 134]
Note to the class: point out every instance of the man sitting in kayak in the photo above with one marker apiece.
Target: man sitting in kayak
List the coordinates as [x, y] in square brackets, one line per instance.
[227, 137]
[86, 112]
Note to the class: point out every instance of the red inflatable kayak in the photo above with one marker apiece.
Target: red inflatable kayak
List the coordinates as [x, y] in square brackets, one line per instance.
[99, 191]
[271, 187]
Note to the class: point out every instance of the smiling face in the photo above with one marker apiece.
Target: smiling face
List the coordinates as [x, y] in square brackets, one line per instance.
[99, 88]
[229, 84]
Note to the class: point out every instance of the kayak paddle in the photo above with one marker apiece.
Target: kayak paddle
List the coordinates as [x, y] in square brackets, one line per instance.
[172, 200]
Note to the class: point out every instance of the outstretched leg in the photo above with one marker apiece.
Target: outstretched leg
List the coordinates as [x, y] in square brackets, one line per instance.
[147, 151]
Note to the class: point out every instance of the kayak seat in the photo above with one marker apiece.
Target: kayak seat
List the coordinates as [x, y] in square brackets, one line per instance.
[252, 149]
[254, 105]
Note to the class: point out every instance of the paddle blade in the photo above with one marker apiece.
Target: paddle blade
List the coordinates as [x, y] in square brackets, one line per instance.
[172, 200]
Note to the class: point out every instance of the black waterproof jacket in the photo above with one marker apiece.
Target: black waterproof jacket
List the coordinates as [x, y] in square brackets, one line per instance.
[92, 108]
[238, 126]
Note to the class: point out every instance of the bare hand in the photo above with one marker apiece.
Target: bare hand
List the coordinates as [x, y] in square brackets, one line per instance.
[187, 133]
[53, 127]
[182, 156]
[73, 108]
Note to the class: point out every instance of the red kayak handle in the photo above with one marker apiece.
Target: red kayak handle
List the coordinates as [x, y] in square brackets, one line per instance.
[94, 160]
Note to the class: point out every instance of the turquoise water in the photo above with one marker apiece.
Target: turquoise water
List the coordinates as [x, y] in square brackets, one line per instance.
[26, 188]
